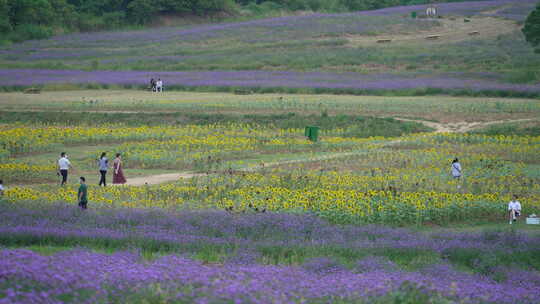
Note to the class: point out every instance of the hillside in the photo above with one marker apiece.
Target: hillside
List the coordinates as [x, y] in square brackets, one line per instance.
[479, 48]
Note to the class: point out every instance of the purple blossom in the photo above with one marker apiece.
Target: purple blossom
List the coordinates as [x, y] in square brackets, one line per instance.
[118, 275]
[268, 79]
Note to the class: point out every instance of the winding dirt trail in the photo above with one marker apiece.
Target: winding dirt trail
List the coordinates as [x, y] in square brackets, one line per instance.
[161, 178]
[458, 127]
[462, 127]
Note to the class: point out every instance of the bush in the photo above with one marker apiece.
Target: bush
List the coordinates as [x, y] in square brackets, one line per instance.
[30, 32]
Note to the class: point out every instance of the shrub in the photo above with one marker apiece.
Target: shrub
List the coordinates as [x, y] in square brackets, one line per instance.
[30, 32]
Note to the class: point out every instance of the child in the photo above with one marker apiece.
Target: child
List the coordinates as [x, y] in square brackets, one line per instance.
[1, 188]
[82, 195]
[514, 209]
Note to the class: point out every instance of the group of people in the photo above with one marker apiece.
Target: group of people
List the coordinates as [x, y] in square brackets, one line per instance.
[514, 207]
[64, 165]
[156, 85]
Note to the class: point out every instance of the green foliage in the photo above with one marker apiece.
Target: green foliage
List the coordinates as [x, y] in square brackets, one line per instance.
[5, 25]
[38, 19]
[531, 30]
[353, 126]
[29, 32]
[511, 129]
[141, 11]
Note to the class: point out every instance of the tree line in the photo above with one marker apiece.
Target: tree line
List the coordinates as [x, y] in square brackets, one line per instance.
[37, 19]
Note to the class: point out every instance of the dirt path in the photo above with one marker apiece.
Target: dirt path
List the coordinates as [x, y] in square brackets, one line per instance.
[172, 177]
[462, 127]
[459, 127]
[161, 178]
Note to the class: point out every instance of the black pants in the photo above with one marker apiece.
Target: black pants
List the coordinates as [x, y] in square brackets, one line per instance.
[103, 179]
[64, 174]
[83, 204]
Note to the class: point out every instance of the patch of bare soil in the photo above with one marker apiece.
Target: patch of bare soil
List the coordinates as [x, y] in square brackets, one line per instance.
[462, 127]
[450, 30]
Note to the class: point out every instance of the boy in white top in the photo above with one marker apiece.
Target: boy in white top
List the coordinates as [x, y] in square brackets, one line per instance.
[63, 166]
[514, 209]
[1, 188]
[159, 85]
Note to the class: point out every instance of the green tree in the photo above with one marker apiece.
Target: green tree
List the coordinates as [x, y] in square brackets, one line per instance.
[141, 11]
[30, 12]
[531, 30]
[5, 25]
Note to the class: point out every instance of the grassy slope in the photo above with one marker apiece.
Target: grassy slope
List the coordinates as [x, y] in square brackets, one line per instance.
[326, 43]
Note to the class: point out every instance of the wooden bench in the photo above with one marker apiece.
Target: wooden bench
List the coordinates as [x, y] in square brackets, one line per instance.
[474, 33]
[433, 37]
[384, 40]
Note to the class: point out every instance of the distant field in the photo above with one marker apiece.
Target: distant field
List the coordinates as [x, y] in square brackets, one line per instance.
[444, 109]
[320, 52]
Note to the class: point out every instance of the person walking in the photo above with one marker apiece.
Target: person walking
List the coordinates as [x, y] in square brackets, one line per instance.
[159, 85]
[1, 188]
[153, 85]
[103, 167]
[63, 166]
[514, 209]
[82, 194]
[118, 174]
[456, 171]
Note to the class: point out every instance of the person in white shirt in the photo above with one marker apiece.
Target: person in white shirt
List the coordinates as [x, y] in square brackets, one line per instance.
[514, 209]
[159, 85]
[1, 188]
[63, 166]
[456, 170]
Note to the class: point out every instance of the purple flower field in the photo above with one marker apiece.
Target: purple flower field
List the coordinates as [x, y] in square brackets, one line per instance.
[249, 271]
[267, 79]
[88, 277]
[307, 51]
[328, 23]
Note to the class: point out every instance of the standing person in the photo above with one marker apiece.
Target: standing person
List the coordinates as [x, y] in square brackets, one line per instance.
[159, 85]
[153, 85]
[514, 209]
[456, 170]
[1, 188]
[103, 167]
[118, 174]
[63, 166]
[82, 194]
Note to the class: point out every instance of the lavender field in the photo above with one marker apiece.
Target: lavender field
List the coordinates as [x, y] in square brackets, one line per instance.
[149, 256]
[331, 51]
[271, 79]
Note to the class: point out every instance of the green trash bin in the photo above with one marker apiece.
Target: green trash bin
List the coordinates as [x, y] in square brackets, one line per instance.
[312, 133]
[413, 15]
